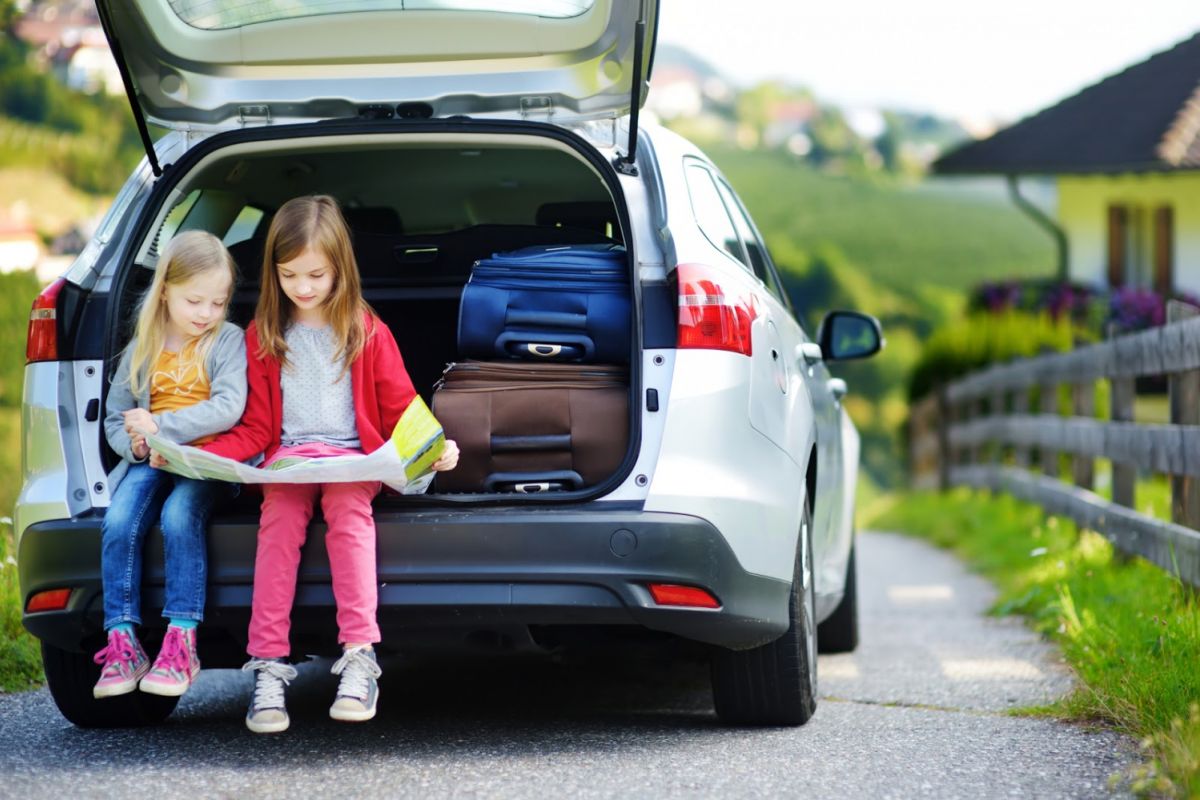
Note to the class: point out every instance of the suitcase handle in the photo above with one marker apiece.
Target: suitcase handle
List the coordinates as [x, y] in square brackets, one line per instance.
[543, 443]
[532, 482]
[520, 344]
[558, 320]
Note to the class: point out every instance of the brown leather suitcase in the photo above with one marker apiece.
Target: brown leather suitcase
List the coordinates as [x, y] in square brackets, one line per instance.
[531, 427]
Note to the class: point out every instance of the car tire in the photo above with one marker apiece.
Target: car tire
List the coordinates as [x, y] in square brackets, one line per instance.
[839, 633]
[776, 683]
[71, 677]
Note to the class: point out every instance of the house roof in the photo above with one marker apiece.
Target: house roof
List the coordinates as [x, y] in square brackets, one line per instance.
[1143, 119]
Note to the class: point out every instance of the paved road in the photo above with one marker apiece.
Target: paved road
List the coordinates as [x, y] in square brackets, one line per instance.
[918, 711]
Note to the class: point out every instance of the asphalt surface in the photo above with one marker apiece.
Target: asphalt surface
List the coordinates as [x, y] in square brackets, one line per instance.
[920, 710]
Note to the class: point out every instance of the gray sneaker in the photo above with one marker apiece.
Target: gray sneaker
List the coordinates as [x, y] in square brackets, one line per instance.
[359, 688]
[267, 712]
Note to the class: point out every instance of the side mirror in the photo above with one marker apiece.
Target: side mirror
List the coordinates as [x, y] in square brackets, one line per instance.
[846, 335]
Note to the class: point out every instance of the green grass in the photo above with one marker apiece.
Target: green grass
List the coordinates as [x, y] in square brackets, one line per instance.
[1131, 631]
[943, 234]
[20, 661]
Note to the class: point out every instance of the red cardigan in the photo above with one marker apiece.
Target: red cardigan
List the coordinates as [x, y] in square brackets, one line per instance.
[379, 383]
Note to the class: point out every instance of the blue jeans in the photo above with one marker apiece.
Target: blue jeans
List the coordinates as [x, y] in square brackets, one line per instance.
[181, 506]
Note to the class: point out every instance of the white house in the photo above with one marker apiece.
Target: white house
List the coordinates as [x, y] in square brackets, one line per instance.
[1125, 158]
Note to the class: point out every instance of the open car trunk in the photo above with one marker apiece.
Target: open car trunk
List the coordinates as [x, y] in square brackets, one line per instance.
[423, 207]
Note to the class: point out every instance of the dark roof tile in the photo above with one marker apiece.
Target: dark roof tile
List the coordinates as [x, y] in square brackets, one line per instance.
[1145, 118]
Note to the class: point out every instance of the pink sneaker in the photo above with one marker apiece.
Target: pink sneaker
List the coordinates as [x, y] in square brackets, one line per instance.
[177, 664]
[123, 663]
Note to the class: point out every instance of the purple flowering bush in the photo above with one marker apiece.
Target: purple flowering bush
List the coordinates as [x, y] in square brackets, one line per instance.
[1088, 307]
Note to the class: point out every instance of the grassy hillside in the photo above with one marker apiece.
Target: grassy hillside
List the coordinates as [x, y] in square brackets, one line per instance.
[906, 254]
[939, 233]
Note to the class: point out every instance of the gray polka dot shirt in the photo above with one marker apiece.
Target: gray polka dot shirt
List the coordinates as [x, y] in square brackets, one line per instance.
[318, 402]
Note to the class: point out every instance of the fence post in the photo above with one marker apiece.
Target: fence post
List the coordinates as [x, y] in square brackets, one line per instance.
[1083, 404]
[1184, 391]
[1048, 404]
[943, 434]
[1021, 408]
[1124, 475]
[974, 414]
[998, 412]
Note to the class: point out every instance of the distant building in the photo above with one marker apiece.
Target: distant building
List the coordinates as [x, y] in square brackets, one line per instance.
[67, 39]
[20, 246]
[1124, 155]
[675, 92]
[787, 124]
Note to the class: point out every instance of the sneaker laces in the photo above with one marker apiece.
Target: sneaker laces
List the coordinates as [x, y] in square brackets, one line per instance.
[120, 650]
[357, 669]
[269, 682]
[173, 655]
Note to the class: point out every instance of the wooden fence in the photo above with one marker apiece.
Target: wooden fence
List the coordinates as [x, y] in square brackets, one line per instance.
[1001, 429]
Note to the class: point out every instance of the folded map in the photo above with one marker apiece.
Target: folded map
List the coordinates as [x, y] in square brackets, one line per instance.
[403, 462]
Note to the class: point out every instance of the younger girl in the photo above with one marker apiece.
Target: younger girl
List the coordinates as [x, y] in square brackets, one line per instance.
[182, 376]
[325, 378]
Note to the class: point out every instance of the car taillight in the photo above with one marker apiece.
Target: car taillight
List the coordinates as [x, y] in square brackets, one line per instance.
[672, 594]
[42, 341]
[50, 600]
[709, 319]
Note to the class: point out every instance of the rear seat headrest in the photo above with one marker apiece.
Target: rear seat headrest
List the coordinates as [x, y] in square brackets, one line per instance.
[588, 215]
[373, 219]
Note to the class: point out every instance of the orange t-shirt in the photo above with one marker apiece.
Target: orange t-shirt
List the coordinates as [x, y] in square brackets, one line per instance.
[178, 380]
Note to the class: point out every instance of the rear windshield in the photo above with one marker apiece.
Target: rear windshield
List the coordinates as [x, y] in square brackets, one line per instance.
[222, 14]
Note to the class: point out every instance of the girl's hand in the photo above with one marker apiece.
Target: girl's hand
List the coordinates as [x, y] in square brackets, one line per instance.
[156, 460]
[139, 419]
[139, 447]
[449, 458]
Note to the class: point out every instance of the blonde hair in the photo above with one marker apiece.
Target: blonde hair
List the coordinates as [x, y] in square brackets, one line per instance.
[316, 222]
[189, 254]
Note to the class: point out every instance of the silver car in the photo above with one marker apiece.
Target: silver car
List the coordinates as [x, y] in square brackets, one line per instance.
[448, 130]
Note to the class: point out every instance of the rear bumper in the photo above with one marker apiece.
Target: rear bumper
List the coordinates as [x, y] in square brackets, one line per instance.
[446, 571]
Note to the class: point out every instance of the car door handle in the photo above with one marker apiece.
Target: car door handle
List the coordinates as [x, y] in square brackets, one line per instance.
[837, 387]
[810, 352]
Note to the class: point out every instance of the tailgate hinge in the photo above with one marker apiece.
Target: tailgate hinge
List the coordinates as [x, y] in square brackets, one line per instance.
[260, 115]
[537, 105]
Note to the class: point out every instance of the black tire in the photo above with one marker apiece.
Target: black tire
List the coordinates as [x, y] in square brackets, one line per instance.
[71, 677]
[775, 684]
[839, 633]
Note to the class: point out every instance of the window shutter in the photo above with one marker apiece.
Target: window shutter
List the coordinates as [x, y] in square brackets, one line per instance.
[1164, 235]
[1118, 232]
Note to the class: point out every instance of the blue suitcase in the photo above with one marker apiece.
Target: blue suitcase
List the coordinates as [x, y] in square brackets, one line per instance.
[549, 302]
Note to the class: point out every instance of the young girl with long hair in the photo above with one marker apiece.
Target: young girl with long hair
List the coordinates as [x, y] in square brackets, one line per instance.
[326, 379]
[183, 376]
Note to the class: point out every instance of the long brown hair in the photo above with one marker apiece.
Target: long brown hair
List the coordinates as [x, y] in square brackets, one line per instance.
[187, 255]
[316, 222]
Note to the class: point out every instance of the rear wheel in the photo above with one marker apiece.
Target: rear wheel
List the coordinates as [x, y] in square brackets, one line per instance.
[775, 684]
[839, 633]
[71, 677]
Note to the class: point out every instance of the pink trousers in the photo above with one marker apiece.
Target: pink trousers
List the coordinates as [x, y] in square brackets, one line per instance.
[349, 541]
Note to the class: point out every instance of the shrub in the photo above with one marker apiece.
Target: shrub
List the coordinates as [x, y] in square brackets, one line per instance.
[17, 290]
[983, 338]
[1095, 309]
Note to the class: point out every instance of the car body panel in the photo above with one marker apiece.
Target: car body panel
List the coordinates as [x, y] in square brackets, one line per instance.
[452, 569]
[478, 63]
[714, 464]
[51, 488]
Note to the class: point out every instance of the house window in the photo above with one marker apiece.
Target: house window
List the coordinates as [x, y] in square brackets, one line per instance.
[1164, 246]
[1141, 247]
